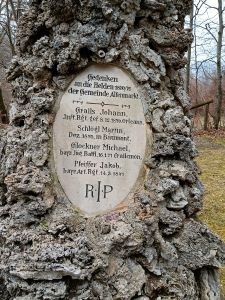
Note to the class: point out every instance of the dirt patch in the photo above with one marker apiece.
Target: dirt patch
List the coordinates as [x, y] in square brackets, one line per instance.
[203, 142]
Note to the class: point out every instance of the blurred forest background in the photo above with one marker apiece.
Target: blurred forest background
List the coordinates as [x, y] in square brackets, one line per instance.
[204, 76]
[10, 13]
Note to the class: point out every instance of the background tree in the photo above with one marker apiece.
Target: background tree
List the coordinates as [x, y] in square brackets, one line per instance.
[219, 94]
[205, 67]
[10, 12]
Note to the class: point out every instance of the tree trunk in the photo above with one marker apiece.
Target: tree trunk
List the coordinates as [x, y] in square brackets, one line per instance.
[206, 119]
[219, 94]
[3, 111]
[188, 67]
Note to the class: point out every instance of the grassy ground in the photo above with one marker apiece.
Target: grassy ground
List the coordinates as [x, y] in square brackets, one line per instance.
[211, 160]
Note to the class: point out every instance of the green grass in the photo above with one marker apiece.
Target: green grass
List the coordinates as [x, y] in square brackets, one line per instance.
[211, 161]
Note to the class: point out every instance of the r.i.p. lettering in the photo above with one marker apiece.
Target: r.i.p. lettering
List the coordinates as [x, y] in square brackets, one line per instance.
[98, 191]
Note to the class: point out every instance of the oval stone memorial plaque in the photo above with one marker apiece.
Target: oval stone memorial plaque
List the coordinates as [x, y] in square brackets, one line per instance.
[99, 139]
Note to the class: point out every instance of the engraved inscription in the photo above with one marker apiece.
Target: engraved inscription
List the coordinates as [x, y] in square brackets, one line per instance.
[99, 139]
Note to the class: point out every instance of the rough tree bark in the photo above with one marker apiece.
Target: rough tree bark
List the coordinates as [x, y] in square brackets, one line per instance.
[156, 248]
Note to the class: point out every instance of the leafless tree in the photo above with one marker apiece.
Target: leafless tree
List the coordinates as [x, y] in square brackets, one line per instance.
[195, 10]
[219, 94]
[206, 53]
[217, 36]
[10, 12]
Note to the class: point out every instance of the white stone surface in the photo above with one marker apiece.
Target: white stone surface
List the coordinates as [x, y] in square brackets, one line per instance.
[99, 139]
